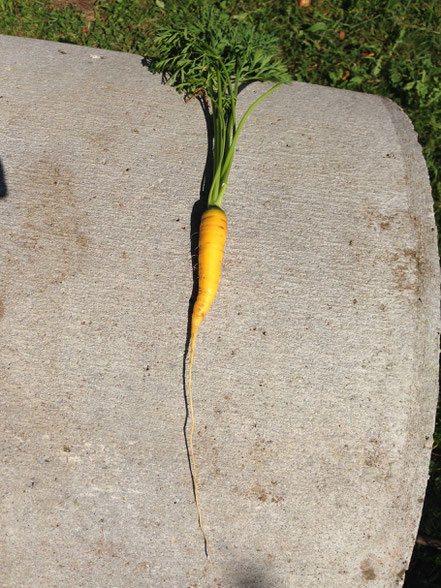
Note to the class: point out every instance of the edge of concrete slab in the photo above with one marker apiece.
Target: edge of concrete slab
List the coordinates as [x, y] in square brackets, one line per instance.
[420, 275]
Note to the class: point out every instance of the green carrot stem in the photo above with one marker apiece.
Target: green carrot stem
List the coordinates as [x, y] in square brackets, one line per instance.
[228, 158]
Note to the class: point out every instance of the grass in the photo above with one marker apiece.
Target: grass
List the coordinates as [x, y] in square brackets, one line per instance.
[386, 47]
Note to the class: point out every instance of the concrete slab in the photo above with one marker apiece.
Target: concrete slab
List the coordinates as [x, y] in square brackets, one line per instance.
[315, 379]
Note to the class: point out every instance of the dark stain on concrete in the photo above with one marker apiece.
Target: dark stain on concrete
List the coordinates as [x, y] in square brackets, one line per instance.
[251, 576]
[53, 234]
[408, 270]
[367, 570]
[377, 220]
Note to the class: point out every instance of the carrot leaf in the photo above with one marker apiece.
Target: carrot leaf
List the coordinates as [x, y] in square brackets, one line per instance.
[206, 53]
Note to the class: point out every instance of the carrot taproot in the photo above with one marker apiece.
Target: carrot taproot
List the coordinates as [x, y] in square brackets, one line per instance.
[212, 237]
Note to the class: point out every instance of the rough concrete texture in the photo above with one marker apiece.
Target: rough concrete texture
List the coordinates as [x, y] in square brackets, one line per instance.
[315, 377]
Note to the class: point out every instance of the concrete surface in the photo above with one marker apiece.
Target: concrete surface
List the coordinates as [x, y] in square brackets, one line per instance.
[315, 379]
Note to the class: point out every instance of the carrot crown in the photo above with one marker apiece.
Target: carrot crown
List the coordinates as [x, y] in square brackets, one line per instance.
[206, 53]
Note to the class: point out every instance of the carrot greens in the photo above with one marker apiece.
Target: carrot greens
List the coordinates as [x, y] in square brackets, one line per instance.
[207, 54]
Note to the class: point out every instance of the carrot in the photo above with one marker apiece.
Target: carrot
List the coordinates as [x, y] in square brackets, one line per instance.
[208, 56]
[212, 237]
